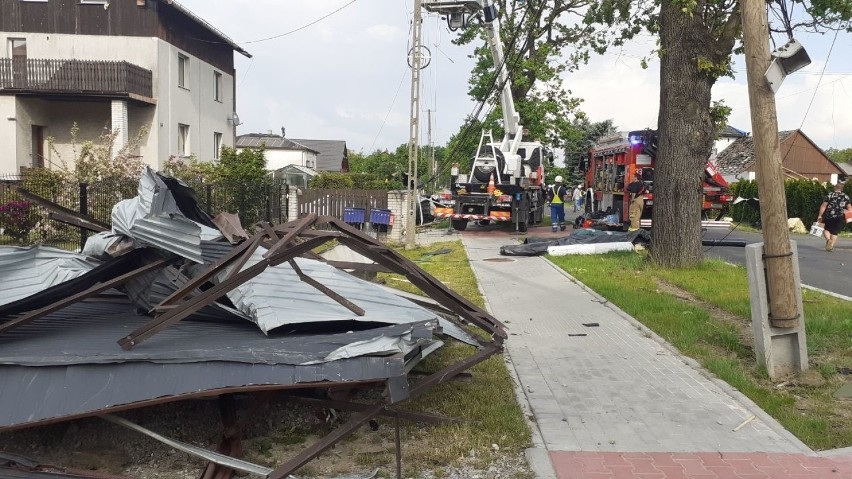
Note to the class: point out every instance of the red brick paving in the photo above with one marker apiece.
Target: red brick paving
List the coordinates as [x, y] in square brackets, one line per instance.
[700, 465]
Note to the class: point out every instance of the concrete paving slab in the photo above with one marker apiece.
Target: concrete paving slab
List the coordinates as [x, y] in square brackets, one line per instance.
[620, 388]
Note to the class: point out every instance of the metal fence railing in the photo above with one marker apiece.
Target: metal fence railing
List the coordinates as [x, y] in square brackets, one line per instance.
[24, 222]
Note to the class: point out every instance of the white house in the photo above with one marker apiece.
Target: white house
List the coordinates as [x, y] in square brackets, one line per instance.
[279, 151]
[148, 66]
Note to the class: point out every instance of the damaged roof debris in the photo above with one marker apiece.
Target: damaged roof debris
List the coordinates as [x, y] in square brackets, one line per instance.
[170, 304]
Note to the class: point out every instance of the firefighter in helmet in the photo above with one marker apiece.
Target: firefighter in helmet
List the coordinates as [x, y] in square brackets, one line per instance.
[557, 195]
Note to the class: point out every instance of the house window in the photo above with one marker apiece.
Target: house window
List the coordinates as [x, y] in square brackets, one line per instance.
[183, 70]
[217, 145]
[183, 139]
[18, 48]
[217, 86]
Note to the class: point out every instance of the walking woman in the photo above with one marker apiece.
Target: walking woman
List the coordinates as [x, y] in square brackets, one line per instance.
[832, 214]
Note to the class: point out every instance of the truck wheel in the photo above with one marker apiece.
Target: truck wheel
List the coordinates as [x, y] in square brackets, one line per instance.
[522, 227]
[459, 225]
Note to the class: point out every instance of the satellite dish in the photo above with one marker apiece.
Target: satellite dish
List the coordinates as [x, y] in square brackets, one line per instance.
[235, 118]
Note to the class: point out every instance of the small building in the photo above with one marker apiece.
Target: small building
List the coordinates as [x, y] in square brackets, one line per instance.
[332, 154]
[726, 137]
[801, 159]
[114, 67]
[294, 175]
[280, 151]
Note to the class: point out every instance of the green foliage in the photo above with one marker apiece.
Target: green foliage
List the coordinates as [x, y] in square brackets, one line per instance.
[719, 113]
[332, 180]
[190, 169]
[94, 162]
[246, 166]
[840, 156]
[17, 220]
[803, 199]
[534, 35]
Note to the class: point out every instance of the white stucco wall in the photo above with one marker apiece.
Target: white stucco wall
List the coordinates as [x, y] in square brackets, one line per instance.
[194, 106]
[8, 136]
[276, 159]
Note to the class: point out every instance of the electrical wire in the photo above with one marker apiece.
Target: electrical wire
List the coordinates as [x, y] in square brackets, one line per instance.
[463, 135]
[393, 102]
[300, 28]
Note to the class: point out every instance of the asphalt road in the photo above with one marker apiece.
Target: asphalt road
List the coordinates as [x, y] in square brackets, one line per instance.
[831, 271]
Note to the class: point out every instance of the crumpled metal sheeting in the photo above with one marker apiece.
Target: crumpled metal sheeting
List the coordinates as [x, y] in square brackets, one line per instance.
[85, 333]
[25, 271]
[277, 297]
[149, 290]
[153, 218]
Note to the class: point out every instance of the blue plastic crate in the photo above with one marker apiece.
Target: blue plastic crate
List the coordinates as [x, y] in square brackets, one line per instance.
[353, 215]
[380, 217]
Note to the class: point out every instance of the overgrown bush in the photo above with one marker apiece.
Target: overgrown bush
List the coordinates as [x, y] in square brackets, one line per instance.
[17, 219]
[353, 181]
[803, 200]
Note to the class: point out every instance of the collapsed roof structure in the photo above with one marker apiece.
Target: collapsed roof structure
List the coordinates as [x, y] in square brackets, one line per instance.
[160, 308]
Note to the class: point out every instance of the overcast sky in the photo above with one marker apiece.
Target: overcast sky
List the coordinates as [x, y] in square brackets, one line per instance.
[345, 77]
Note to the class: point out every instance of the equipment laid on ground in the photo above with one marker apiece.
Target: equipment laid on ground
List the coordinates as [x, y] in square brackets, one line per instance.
[613, 163]
[505, 182]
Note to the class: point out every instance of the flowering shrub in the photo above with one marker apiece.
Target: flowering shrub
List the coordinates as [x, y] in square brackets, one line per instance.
[17, 219]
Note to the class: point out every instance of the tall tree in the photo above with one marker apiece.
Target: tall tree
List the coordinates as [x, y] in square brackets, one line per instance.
[696, 41]
[535, 34]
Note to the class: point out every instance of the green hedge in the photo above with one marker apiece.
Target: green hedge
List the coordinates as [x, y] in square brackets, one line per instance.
[803, 200]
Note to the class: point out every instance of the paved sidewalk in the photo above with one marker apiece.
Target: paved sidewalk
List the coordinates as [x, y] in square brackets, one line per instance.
[599, 392]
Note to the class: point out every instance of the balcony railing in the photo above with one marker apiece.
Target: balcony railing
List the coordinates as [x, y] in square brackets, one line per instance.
[87, 77]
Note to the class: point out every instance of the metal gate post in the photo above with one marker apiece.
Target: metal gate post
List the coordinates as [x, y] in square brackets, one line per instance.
[84, 210]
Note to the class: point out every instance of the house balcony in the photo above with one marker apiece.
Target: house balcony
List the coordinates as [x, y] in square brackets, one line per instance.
[83, 78]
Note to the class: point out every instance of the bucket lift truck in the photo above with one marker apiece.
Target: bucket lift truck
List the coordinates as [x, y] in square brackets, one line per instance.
[505, 183]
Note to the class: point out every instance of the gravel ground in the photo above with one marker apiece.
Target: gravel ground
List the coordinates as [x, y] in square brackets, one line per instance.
[273, 432]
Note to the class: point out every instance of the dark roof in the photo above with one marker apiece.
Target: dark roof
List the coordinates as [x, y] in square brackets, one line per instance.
[270, 142]
[68, 364]
[739, 155]
[215, 31]
[331, 153]
[731, 132]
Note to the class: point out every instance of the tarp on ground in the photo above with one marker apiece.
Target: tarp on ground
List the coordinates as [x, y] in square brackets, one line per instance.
[534, 246]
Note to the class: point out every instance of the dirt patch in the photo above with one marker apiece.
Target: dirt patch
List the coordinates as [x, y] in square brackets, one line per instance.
[273, 431]
[742, 324]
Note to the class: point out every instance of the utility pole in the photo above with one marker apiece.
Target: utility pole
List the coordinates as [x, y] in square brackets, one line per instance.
[432, 167]
[777, 254]
[413, 147]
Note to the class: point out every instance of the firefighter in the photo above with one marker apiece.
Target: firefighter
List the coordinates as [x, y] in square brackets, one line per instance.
[557, 195]
[637, 192]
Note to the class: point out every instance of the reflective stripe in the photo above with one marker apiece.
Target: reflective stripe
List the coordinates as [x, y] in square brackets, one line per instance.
[556, 198]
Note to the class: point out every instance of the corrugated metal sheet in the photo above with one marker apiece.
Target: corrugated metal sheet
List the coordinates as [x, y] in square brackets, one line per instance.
[26, 271]
[277, 297]
[68, 364]
[153, 218]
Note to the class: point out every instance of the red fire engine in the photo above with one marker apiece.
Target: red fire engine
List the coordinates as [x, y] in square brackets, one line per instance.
[615, 159]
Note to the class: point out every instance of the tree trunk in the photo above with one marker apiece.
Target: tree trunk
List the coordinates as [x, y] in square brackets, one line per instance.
[686, 134]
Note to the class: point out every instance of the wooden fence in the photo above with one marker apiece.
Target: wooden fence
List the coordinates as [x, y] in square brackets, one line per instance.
[77, 76]
[331, 202]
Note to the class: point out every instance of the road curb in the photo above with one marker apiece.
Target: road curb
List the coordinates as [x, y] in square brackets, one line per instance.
[753, 408]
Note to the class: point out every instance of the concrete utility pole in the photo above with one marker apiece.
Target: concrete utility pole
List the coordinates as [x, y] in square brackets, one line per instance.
[783, 311]
[413, 146]
[433, 168]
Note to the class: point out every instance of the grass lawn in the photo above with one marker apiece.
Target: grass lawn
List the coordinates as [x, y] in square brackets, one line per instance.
[485, 400]
[705, 312]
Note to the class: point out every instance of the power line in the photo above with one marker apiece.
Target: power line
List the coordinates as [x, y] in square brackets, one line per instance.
[302, 27]
[393, 102]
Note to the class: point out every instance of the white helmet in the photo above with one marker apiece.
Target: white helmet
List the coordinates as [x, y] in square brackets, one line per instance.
[558, 179]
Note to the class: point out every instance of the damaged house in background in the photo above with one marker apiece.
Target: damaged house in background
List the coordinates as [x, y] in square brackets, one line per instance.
[169, 304]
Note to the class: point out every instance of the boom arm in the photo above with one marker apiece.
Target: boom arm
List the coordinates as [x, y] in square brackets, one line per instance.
[511, 119]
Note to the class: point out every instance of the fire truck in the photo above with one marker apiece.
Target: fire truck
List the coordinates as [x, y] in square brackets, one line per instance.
[505, 182]
[614, 160]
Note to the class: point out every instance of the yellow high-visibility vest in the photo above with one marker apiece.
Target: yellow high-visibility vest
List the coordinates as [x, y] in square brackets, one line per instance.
[556, 198]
